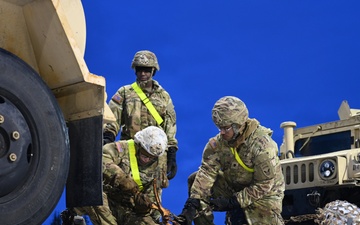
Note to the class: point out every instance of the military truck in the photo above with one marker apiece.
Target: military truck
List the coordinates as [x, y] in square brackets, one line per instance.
[51, 111]
[320, 163]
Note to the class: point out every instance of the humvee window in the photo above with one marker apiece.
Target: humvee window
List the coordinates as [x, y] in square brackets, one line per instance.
[323, 144]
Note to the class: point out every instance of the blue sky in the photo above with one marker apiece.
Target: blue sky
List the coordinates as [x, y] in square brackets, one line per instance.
[287, 60]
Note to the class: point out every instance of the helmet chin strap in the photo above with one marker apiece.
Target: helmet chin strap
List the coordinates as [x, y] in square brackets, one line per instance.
[238, 131]
[144, 84]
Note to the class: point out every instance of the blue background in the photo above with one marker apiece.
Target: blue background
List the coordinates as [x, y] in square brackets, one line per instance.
[287, 60]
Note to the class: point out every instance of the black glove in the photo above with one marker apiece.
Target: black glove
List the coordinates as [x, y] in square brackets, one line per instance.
[108, 137]
[189, 211]
[67, 217]
[224, 204]
[171, 163]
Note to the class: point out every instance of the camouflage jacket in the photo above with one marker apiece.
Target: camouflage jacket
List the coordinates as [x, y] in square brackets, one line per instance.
[116, 156]
[258, 151]
[132, 115]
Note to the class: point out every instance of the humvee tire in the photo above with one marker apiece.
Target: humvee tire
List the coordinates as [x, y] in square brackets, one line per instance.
[34, 145]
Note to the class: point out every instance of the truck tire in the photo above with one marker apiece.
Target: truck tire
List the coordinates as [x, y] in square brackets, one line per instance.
[34, 145]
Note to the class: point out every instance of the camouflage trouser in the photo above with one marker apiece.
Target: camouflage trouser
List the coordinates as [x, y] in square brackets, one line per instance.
[99, 215]
[126, 216]
[136, 219]
[262, 212]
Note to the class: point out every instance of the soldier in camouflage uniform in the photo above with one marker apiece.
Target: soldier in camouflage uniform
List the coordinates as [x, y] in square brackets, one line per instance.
[128, 200]
[99, 215]
[240, 172]
[133, 115]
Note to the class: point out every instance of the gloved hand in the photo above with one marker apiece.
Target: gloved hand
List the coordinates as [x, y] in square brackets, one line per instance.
[116, 178]
[189, 211]
[130, 195]
[171, 163]
[67, 216]
[108, 137]
[224, 204]
[142, 203]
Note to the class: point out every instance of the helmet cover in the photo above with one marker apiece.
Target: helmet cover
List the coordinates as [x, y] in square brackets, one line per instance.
[229, 110]
[152, 139]
[145, 58]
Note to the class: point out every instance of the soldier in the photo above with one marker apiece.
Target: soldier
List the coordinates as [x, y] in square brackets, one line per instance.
[240, 172]
[130, 168]
[144, 103]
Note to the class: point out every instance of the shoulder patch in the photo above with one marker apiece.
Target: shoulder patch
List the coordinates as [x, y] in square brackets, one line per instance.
[118, 146]
[213, 143]
[117, 98]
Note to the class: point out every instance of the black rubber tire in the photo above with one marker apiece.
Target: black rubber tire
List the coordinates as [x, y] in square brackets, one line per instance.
[38, 174]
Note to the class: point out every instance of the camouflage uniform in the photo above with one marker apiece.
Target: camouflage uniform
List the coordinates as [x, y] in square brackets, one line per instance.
[132, 114]
[116, 161]
[99, 215]
[124, 203]
[258, 192]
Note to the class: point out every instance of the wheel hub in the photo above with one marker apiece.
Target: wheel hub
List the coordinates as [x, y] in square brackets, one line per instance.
[15, 145]
[4, 146]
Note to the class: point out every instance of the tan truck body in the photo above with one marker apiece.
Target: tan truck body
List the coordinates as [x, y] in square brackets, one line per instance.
[52, 110]
[321, 163]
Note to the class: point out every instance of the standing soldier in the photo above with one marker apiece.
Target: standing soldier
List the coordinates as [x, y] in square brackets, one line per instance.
[240, 172]
[144, 103]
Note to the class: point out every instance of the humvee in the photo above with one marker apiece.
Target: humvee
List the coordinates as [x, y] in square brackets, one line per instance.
[321, 163]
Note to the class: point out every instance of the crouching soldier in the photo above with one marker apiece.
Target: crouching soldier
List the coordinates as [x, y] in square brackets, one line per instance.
[135, 164]
[130, 168]
[240, 173]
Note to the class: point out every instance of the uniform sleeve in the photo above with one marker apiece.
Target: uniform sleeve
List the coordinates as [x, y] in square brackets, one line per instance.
[111, 158]
[169, 125]
[207, 173]
[116, 106]
[163, 180]
[265, 163]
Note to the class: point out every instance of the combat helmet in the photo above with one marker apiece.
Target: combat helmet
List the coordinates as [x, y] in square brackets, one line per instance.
[145, 58]
[229, 110]
[152, 139]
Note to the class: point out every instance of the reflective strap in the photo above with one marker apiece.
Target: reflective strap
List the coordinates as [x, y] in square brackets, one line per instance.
[240, 161]
[147, 103]
[133, 164]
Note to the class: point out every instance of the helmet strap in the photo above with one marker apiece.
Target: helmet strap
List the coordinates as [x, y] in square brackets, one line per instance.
[238, 131]
[145, 85]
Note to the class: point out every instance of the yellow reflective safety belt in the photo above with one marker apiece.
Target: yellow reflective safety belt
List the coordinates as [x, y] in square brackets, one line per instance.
[147, 103]
[133, 164]
[237, 157]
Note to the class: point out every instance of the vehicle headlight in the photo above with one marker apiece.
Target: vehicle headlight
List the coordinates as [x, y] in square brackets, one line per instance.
[327, 169]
